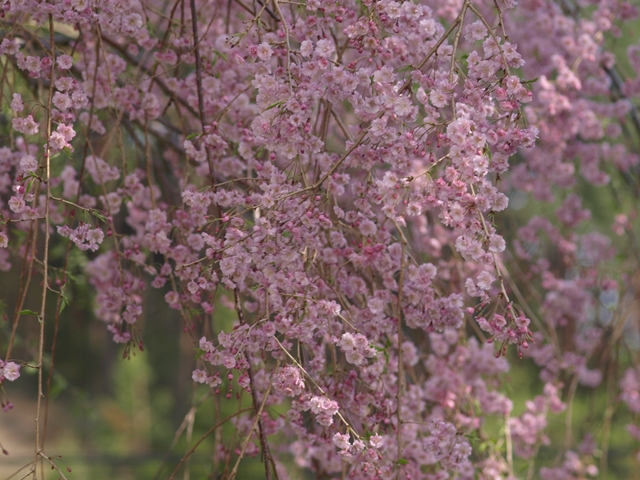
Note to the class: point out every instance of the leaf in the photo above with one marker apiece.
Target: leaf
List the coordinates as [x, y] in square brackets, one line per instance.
[28, 312]
[487, 152]
[30, 184]
[99, 215]
[221, 55]
[402, 461]
[273, 105]
[406, 68]
[63, 304]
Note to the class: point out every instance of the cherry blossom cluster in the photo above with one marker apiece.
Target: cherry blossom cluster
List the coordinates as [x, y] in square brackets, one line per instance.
[348, 181]
[85, 237]
[356, 348]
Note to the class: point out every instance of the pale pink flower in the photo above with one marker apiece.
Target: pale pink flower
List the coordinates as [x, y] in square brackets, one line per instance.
[264, 51]
[16, 103]
[9, 370]
[65, 62]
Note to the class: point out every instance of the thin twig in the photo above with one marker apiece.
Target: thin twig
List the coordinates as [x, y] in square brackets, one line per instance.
[264, 445]
[256, 421]
[45, 255]
[207, 433]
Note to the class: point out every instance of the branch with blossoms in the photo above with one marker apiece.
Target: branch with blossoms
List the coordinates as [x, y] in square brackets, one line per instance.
[338, 174]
